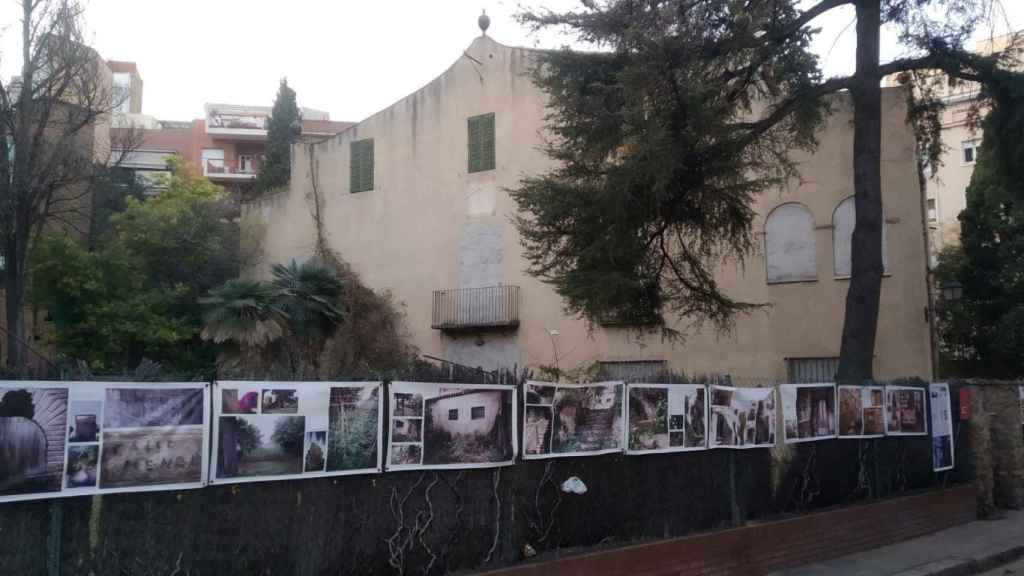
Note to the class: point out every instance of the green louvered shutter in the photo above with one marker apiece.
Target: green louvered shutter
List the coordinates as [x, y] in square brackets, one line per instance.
[361, 165]
[481, 143]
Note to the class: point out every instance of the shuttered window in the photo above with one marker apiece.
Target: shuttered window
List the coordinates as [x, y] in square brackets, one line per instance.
[361, 164]
[481, 143]
[812, 370]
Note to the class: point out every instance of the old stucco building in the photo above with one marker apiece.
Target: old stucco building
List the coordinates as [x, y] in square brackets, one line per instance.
[414, 197]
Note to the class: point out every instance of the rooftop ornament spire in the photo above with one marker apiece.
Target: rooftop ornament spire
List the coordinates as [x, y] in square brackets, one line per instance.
[484, 21]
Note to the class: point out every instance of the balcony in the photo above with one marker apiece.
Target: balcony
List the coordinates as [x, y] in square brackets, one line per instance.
[234, 122]
[473, 309]
[218, 170]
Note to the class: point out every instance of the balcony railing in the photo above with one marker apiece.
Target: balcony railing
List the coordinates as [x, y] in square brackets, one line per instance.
[476, 308]
[218, 169]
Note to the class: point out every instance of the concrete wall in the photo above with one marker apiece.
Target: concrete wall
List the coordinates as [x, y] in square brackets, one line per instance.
[429, 225]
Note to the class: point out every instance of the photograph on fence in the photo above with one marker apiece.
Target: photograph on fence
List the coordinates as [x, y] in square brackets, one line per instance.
[942, 427]
[666, 418]
[33, 433]
[438, 426]
[861, 412]
[284, 430]
[153, 435]
[78, 438]
[741, 417]
[574, 419]
[905, 411]
[808, 412]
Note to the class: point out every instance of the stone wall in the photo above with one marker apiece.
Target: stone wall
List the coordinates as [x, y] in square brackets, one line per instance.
[994, 444]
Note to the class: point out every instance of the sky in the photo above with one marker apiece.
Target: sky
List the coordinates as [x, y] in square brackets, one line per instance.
[348, 57]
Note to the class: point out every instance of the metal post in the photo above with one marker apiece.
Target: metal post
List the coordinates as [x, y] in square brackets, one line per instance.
[54, 538]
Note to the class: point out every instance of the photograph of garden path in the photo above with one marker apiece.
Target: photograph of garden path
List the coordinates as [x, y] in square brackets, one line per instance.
[260, 445]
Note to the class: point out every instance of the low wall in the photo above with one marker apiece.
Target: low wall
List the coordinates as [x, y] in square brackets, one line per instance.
[994, 442]
[769, 546]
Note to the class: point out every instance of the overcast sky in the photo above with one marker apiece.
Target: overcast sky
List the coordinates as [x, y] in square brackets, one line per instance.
[349, 57]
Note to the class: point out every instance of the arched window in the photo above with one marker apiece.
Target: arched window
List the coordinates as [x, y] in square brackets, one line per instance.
[789, 245]
[843, 220]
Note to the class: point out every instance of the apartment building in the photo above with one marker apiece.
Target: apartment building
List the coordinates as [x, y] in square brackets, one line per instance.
[946, 186]
[415, 198]
[227, 144]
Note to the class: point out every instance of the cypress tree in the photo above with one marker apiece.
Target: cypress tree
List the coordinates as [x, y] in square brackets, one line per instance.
[275, 170]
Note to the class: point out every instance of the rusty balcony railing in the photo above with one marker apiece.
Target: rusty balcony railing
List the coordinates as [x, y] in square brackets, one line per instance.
[488, 307]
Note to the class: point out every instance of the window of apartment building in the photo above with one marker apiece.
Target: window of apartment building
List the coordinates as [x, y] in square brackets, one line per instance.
[843, 219]
[453, 414]
[246, 163]
[789, 247]
[122, 92]
[933, 210]
[213, 160]
[633, 370]
[361, 166]
[477, 413]
[970, 151]
[481, 143]
[812, 370]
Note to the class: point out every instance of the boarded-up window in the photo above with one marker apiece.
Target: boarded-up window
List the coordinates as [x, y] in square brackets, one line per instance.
[843, 220]
[477, 412]
[789, 246]
[361, 164]
[812, 370]
[481, 143]
[633, 370]
[453, 414]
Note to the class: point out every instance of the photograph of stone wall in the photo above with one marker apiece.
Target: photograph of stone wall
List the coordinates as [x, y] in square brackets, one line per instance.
[33, 431]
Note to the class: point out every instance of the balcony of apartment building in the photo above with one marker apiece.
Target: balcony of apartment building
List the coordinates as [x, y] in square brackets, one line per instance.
[234, 122]
[243, 167]
[476, 309]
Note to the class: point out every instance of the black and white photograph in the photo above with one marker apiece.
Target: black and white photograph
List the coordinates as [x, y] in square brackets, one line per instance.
[33, 432]
[742, 417]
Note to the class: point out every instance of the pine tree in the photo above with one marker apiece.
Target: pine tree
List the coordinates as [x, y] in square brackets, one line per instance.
[276, 168]
[665, 135]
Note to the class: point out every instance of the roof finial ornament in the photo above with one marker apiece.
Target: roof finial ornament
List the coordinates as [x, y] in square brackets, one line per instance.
[484, 21]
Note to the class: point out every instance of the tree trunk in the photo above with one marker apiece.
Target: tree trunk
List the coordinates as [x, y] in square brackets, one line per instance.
[862, 300]
[13, 288]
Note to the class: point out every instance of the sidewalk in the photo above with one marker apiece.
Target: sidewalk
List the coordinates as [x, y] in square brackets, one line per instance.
[966, 549]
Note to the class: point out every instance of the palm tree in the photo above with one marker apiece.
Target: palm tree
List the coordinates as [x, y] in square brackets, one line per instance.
[308, 295]
[245, 316]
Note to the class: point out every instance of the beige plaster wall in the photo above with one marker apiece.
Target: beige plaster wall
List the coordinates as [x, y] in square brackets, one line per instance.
[409, 234]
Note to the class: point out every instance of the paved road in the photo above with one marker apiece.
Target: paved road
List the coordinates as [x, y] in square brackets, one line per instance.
[1014, 569]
